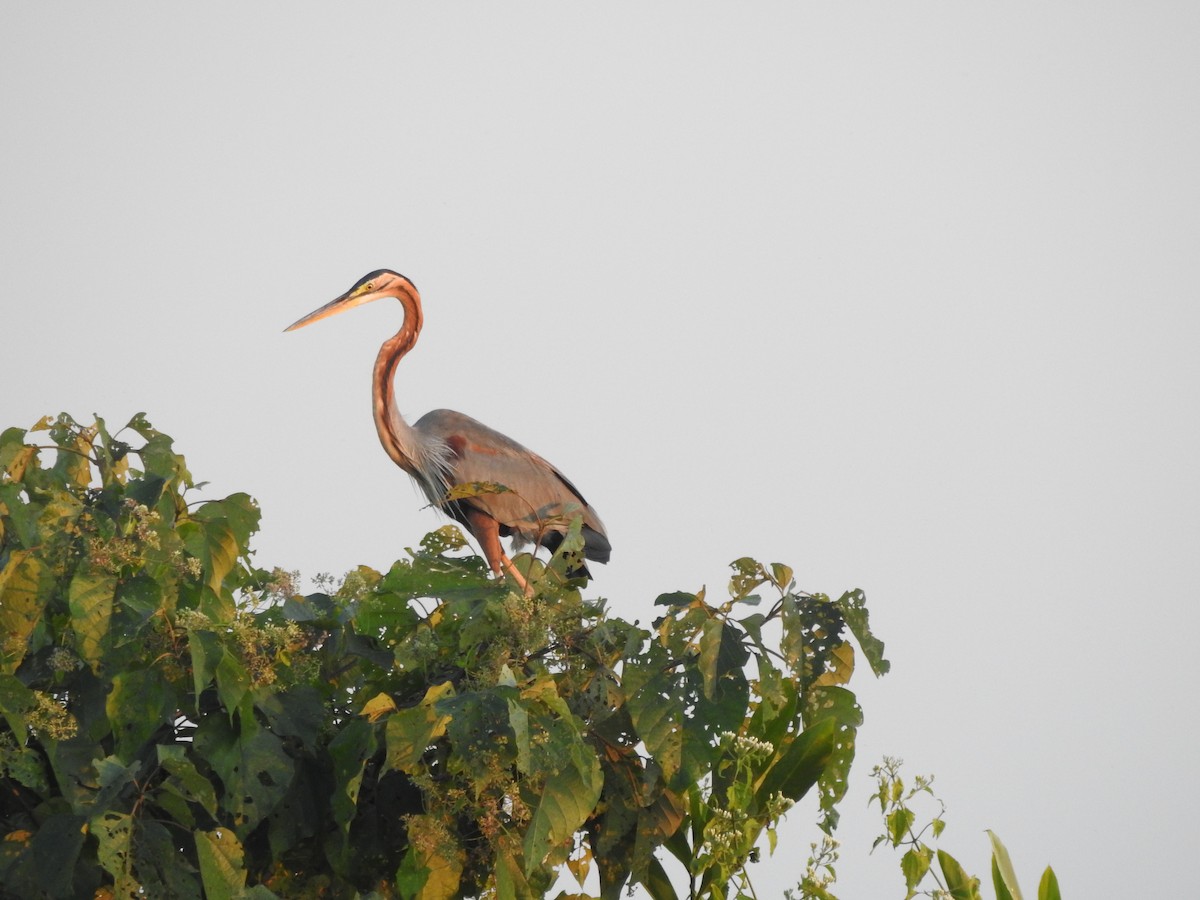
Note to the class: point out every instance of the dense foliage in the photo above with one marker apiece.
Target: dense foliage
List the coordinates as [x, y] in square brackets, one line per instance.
[180, 722]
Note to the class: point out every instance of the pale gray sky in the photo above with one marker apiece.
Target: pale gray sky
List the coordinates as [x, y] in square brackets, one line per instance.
[904, 295]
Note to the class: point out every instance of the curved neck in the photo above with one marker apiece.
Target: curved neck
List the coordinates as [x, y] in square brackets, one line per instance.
[402, 443]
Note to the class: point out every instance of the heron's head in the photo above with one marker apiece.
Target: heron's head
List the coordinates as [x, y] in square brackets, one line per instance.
[372, 286]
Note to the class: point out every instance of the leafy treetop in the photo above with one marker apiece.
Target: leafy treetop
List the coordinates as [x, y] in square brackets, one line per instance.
[177, 721]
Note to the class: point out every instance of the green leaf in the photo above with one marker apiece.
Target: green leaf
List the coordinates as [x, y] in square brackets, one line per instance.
[410, 875]
[1002, 892]
[158, 456]
[238, 512]
[747, 575]
[51, 858]
[115, 833]
[15, 454]
[206, 651]
[567, 800]
[657, 883]
[839, 704]
[776, 711]
[518, 719]
[350, 750]
[853, 606]
[676, 599]
[899, 821]
[569, 555]
[797, 769]
[252, 765]
[1003, 867]
[162, 870]
[1048, 887]
[185, 780]
[215, 545]
[961, 885]
[511, 883]
[113, 777]
[656, 717]
[233, 681]
[90, 596]
[15, 699]
[299, 713]
[71, 462]
[140, 702]
[710, 649]
[22, 516]
[221, 864]
[411, 731]
[442, 577]
[142, 597]
[915, 863]
[26, 766]
[478, 728]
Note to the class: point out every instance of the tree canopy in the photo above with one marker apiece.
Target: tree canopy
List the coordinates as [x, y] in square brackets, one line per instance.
[178, 721]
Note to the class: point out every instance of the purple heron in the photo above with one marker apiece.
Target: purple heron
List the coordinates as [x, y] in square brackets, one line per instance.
[446, 448]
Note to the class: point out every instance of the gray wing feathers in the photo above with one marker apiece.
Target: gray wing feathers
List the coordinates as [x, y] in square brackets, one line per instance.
[542, 499]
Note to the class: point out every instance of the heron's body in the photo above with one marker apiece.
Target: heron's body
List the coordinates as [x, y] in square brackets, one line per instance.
[445, 448]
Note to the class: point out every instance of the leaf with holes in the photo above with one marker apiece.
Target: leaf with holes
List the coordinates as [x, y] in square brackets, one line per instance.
[139, 703]
[221, 864]
[252, 766]
[115, 833]
[567, 799]
[853, 606]
[90, 596]
[20, 608]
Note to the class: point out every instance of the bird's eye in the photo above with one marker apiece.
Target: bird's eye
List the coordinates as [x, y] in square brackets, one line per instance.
[369, 286]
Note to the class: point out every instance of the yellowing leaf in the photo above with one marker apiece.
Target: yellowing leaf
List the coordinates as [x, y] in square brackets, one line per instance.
[411, 731]
[469, 489]
[20, 610]
[839, 666]
[220, 856]
[782, 575]
[90, 596]
[439, 853]
[378, 707]
[580, 865]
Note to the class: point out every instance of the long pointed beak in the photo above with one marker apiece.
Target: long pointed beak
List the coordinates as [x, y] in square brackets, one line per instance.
[348, 300]
[329, 309]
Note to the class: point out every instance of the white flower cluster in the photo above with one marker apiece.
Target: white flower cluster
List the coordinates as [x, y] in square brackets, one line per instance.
[747, 746]
[145, 522]
[722, 834]
[777, 805]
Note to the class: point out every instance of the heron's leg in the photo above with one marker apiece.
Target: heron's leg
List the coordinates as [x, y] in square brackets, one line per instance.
[487, 531]
[516, 574]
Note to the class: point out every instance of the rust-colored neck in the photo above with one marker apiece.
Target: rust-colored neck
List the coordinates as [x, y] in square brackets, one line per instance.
[396, 435]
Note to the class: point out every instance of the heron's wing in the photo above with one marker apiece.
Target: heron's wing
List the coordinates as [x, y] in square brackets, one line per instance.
[539, 499]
